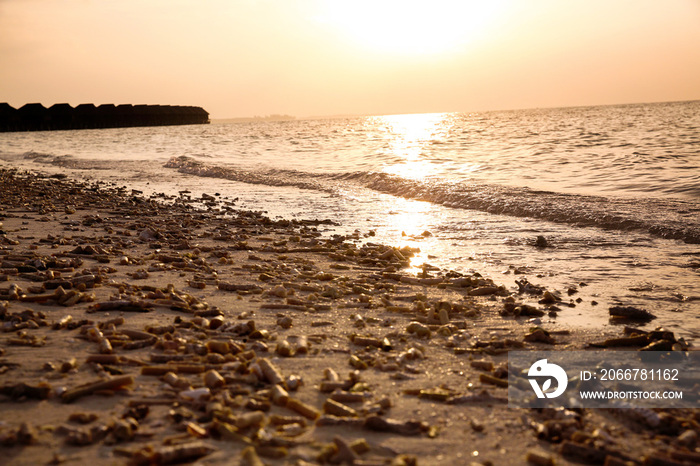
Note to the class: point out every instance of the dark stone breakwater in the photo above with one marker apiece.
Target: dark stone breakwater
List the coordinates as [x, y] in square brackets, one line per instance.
[36, 117]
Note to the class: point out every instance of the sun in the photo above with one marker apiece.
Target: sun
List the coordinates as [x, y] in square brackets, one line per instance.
[410, 27]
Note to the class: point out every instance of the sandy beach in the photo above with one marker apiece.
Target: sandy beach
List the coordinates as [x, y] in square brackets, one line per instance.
[173, 329]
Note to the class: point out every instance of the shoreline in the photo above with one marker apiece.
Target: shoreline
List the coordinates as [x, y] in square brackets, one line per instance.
[208, 320]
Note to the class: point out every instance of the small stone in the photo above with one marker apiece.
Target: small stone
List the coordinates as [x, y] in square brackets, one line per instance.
[285, 322]
[541, 242]
[279, 291]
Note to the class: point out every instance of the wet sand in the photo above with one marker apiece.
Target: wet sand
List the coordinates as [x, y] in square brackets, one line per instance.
[153, 330]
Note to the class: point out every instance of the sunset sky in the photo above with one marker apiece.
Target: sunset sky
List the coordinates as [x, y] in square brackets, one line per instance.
[239, 58]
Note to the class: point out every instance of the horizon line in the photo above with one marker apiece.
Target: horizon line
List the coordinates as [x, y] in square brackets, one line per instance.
[361, 115]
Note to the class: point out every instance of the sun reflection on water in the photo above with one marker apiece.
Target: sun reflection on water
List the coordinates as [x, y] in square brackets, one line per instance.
[408, 137]
[411, 223]
[408, 140]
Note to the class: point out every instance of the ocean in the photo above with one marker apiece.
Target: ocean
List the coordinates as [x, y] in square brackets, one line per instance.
[614, 190]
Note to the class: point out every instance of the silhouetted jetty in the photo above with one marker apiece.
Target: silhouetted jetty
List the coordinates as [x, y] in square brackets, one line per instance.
[36, 117]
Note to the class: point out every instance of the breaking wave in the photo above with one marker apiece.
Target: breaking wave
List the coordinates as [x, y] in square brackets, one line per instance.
[666, 218]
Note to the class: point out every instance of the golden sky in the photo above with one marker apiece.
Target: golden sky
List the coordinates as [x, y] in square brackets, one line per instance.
[241, 58]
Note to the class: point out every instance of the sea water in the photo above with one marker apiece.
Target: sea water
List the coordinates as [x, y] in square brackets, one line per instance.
[614, 190]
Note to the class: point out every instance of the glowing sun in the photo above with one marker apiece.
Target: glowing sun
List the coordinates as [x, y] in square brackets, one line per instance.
[410, 27]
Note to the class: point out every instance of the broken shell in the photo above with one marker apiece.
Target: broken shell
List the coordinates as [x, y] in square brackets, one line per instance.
[538, 458]
[300, 343]
[379, 424]
[195, 430]
[348, 397]
[284, 348]
[105, 346]
[420, 330]
[302, 408]
[173, 454]
[491, 380]
[249, 457]
[344, 454]
[366, 341]
[69, 365]
[90, 388]
[358, 363]
[483, 365]
[253, 418]
[174, 381]
[82, 418]
[213, 379]
[279, 395]
[198, 394]
[216, 346]
[330, 375]
[338, 409]
[270, 371]
[216, 322]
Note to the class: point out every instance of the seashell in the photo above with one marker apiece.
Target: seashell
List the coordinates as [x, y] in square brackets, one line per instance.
[284, 348]
[249, 457]
[366, 341]
[539, 458]
[336, 408]
[270, 371]
[213, 379]
[330, 375]
[293, 382]
[489, 379]
[279, 395]
[357, 363]
[217, 346]
[292, 430]
[101, 385]
[68, 365]
[483, 291]
[344, 454]
[443, 316]
[380, 424]
[420, 330]
[303, 409]
[300, 343]
[174, 381]
[197, 394]
[482, 364]
[195, 430]
[176, 454]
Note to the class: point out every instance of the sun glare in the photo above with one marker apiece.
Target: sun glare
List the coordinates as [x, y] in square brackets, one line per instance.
[410, 27]
[407, 136]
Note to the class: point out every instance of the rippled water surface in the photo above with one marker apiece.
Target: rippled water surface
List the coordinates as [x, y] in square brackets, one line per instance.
[615, 189]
